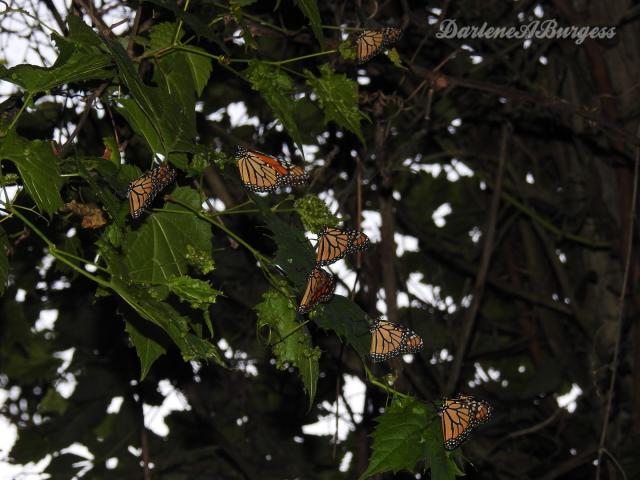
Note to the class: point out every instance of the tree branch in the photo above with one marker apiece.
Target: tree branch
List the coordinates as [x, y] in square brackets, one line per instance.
[478, 288]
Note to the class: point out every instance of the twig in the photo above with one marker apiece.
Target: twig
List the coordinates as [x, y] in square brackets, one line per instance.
[610, 128]
[623, 293]
[96, 19]
[83, 118]
[134, 31]
[478, 288]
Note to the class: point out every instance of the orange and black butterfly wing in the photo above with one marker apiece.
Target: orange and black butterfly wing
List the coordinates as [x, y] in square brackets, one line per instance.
[414, 342]
[391, 36]
[144, 189]
[259, 172]
[295, 175]
[457, 422]
[320, 287]
[333, 244]
[387, 340]
[360, 242]
[369, 44]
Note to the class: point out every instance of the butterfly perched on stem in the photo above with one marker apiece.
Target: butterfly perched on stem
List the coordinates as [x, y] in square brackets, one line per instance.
[261, 172]
[144, 189]
[460, 416]
[334, 243]
[320, 287]
[389, 340]
[372, 42]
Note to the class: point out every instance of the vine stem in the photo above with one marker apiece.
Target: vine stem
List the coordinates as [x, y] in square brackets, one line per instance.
[27, 101]
[374, 381]
[258, 256]
[623, 294]
[175, 37]
[56, 252]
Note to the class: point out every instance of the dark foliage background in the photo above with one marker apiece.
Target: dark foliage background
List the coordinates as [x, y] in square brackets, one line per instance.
[534, 143]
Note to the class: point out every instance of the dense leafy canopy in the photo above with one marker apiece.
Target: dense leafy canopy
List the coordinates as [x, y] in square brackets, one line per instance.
[495, 183]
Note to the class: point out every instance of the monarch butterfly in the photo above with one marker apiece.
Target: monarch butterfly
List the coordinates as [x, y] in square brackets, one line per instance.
[460, 415]
[371, 42]
[264, 173]
[144, 189]
[389, 340]
[335, 243]
[320, 286]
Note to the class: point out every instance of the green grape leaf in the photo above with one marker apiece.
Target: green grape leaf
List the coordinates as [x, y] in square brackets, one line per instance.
[168, 319]
[407, 433]
[164, 111]
[338, 97]
[79, 59]
[277, 88]
[148, 349]
[294, 254]
[289, 340]
[310, 10]
[4, 260]
[157, 251]
[38, 167]
[347, 320]
[140, 123]
[198, 65]
[198, 293]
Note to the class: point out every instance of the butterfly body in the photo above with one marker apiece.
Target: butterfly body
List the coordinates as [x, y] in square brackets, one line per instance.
[261, 172]
[144, 189]
[372, 42]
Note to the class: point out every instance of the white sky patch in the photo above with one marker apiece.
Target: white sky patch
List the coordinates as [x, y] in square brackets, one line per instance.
[66, 385]
[45, 264]
[354, 392]
[238, 115]
[111, 463]
[174, 400]
[363, 80]
[238, 39]
[242, 360]
[440, 213]
[81, 451]
[543, 60]
[21, 294]
[568, 401]
[475, 234]
[345, 463]
[329, 197]
[310, 152]
[529, 178]
[561, 256]
[46, 320]
[429, 294]
[114, 406]
[218, 205]
[371, 223]
[345, 274]
[538, 11]
[8, 194]
[405, 243]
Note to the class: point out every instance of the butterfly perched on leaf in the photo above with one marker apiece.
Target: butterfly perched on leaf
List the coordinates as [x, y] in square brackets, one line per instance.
[460, 416]
[260, 172]
[320, 287]
[372, 42]
[144, 189]
[389, 340]
[334, 243]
